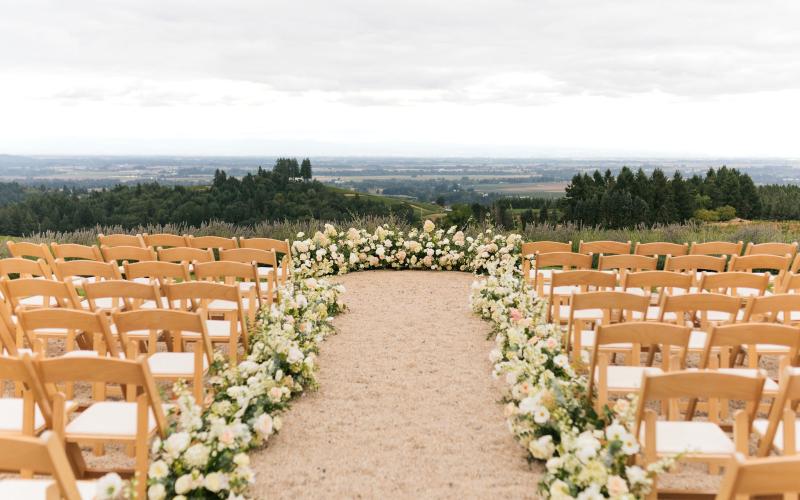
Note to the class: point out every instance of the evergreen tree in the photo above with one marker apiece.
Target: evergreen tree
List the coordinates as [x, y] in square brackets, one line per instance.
[305, 170]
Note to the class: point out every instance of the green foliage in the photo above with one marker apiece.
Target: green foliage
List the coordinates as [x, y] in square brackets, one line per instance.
[631, 199]
[276, 195]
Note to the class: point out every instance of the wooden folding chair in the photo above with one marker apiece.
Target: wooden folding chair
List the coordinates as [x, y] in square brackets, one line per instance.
[121, 240]
[157, 272]
[185, 254]
[745, 478]
[23, 414]
[739, 283]
[27, 293]
[781, 308]
[266, 263]
[282, 249]
[627, 263]
[123, 295]
[723, 342]
[24, 268]
[691, 440]
[119, 255]
[73, 251]
[164, 240]
[661, 248]
[656, 284]
[773, 248]
[215, 298]
[243, 275]
[532, 249]
[696, 265]
[43, 455]
[604, 247]
[564, 283]
[548, 263]
[601, 307]
[777, 265]
[212, 242]
[79, 272]
[23, 249]
[627, 379]
[723, 248]
[180, 326]
[701, 311]
[8, 329]
[778, 432]
[131, 422]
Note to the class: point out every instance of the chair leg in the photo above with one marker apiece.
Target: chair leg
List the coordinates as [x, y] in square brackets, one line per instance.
[142, 449]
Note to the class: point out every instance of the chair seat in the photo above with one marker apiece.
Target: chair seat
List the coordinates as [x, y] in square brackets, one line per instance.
[760, 427]
[37, 488]
[11, 415]
[102, 303]
[227, 305]
[697, 340]
[793, 316]
[705, 438]
[626, 378]
[216, 328]
[267, 271]
[770, 349]
[173, 364]
[107, 418]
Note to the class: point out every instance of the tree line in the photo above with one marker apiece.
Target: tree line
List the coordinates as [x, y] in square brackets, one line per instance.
[287, 192]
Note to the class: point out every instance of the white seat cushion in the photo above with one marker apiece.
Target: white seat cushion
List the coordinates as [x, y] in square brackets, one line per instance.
[760, 427]
[770, 349]
[723, 316]
[793, 316]
[697, 340]
[103, 303]
[770, 386]
[107, 418]
[216, 328]
[227, 305]
[173, 364]
[652, 314]
[587, 340]
[581, 313]
[11, 414]
[673, 438]
[266, 271]
[37, 488]
[627, 378]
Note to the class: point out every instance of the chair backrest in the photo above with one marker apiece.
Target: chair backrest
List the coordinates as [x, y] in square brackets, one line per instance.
[788, 395]
[63, 293]
[604, 247]
[185, 254]
[772, 307]
[609, 301]
[125, 253]
[627, 262]
[716, 248]
[537, 247]
[8, 328]
[127, 295]
[25, 268]
[86, 269]
[746, 478]
[104, 370]
[268, 258]
[95, 323]
[121, 240]
[27, 249]
[16, 370]
[639, 333]
[790, 283]
[586, 279]
[771, 249]
[200, 293]
[699, 384]
[657, 248]
[165, 319]
[685, 263]
[564, 260]
[268, 244]
[647, 280]
[779, 264]
[733, 281]
[700, 304]
[751, 334]
[42, 455]
[71, 251]
[217, 242]
[227, 272]
[164, 240]
[164, 272]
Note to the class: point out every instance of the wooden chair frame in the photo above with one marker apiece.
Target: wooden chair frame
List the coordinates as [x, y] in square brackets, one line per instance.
[259, 257]
[230, 273]
[604, 247]
[73, 251]
[731, 283]
[25, 268]
[564, 261]
[23, 249]
[772, 248]
[121, 240]
[531, 249]
[726, 248]
[213, 242]
[122, 253]
[745, 478]
[659, 248]
[782, 416]
[164, 240]
[580, 281]
[280, 247]
[615, 306]
[185, 254]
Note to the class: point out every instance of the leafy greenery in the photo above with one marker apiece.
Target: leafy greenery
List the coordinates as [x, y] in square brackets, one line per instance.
[285, 193]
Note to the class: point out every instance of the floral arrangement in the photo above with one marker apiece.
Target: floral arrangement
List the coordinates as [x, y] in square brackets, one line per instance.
[586, 455]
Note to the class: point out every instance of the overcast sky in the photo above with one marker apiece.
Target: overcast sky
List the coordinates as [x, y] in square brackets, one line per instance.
[410, 77]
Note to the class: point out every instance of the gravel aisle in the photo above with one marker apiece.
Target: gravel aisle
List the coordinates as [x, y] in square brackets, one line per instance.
[406, 405]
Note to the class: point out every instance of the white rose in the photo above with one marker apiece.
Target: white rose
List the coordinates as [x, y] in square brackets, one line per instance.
[109, 486]
[197, 455]
[616, 486]
[295, 355]
[215, 482]
[428, 226]
[176, 443]
[183, 484]
[264, 425]
[156, 492]
[158, 470]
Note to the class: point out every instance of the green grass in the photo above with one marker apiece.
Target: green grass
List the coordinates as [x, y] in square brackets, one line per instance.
[423, 209]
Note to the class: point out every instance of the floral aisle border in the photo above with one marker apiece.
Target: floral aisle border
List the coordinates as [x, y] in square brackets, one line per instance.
[587, 455]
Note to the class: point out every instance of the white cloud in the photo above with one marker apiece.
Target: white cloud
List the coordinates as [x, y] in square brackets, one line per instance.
[413, 77]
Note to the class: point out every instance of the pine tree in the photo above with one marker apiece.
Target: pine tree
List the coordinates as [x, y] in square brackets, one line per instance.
[305, 170]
